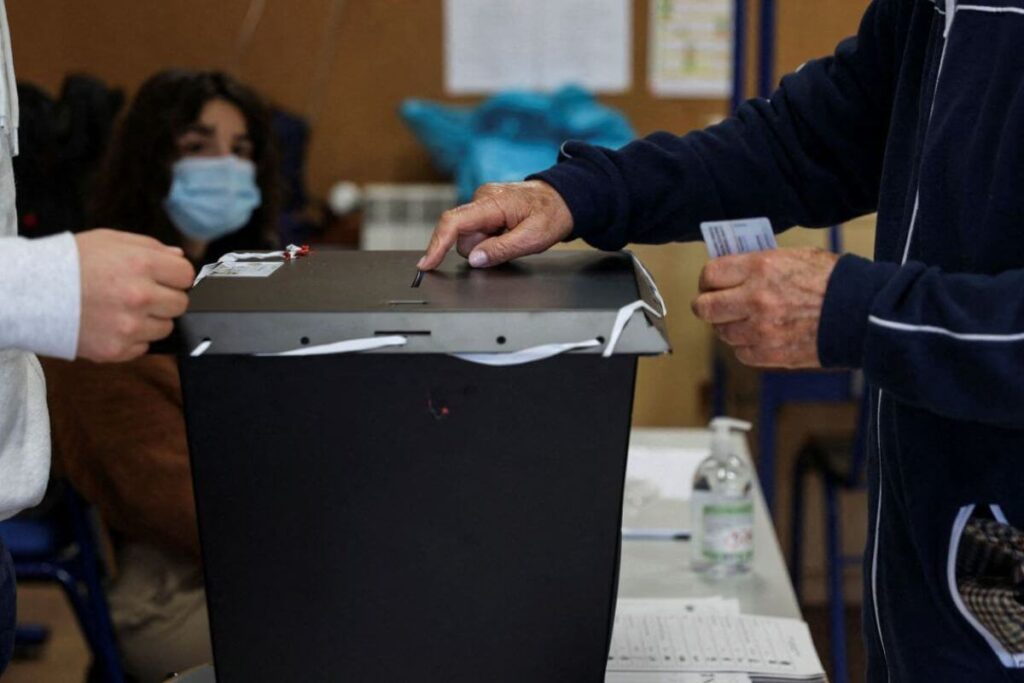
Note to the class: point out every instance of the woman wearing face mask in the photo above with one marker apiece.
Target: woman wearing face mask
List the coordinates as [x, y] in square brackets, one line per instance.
[191, 164]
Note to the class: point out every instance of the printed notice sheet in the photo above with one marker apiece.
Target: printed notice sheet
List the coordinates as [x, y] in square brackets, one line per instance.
[649, 637]
[691, 48]
[494, 45]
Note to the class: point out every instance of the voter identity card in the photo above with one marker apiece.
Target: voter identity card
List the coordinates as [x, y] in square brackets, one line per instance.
[740, 236]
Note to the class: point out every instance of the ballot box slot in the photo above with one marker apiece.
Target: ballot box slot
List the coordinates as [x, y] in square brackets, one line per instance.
[407, 333]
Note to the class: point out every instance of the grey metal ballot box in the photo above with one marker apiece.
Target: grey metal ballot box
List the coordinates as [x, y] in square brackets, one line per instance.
[400, 513]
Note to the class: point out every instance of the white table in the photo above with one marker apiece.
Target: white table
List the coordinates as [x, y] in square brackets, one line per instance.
[660, 569]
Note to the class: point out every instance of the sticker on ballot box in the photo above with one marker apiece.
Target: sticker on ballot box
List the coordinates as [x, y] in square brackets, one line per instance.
[738, 237]
[244, 269]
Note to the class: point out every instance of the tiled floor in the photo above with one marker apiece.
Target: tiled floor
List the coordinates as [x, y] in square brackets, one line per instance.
[65, 658]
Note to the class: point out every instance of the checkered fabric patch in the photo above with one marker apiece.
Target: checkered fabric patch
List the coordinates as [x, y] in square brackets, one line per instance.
[998, 609]
[990, 548]
[990, 577]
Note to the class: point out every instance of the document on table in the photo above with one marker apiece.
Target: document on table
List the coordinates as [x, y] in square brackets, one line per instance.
[666, 470]
[712, 605]
[650, 636]
[669, 677]
[658, 483]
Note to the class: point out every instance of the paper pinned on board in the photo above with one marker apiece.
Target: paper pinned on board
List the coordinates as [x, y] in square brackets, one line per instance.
[691, 48]
[494, 45]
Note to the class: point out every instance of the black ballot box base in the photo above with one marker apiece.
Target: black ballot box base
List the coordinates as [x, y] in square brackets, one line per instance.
[390, 517]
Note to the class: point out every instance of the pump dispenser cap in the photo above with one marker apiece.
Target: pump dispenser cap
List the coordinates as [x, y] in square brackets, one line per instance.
[725, 424]
[721, 428]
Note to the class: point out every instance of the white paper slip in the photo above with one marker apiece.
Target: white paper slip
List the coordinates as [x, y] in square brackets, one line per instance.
[670, 677]
[664, 471]
[244, 269]
[712, 605]
[740, 236]
[766, 648]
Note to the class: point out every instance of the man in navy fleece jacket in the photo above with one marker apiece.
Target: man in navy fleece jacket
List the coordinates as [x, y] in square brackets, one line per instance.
[920, 117]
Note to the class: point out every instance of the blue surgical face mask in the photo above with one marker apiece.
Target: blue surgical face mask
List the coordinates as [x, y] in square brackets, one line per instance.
[212, 196]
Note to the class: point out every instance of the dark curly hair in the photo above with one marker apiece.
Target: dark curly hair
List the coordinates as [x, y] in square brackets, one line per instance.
[134, 178]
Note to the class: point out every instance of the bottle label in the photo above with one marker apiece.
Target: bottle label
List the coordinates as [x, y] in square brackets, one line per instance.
[728, 531]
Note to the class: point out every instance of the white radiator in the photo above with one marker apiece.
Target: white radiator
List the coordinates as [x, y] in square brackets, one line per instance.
[402, 216]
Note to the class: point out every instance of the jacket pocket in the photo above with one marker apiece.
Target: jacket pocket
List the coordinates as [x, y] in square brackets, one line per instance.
[985, 572]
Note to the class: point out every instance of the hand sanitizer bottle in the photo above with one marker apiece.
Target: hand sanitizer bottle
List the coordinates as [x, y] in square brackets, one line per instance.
[723, 505]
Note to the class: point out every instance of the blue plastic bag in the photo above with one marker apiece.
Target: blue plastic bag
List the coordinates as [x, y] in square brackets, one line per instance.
[512, 134]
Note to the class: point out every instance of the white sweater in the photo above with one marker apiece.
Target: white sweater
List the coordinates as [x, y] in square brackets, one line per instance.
[40, 303]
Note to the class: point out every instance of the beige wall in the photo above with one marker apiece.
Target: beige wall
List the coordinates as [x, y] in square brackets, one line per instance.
[384, 51]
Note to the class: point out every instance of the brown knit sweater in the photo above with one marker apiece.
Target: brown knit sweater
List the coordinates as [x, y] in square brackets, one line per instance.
[119, 436]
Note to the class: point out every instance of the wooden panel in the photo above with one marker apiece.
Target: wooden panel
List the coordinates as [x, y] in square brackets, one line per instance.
[383, 52]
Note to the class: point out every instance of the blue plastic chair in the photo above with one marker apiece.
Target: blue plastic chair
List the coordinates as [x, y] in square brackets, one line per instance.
[780, 388]
[61, 546]
[841, 464]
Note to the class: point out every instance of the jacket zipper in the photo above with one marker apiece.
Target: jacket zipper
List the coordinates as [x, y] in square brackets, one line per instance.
[950, 14]
[874, 550]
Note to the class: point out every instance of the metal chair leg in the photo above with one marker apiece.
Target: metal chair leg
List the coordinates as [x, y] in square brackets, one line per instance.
[31, 635]
[836, 601]
[796, 552]
[72, 591]
[766, 441]
[104, 646]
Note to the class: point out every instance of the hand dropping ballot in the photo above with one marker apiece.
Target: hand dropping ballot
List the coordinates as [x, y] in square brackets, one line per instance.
[740, 236]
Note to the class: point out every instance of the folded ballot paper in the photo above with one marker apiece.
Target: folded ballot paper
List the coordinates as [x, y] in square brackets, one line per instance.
[707, 641]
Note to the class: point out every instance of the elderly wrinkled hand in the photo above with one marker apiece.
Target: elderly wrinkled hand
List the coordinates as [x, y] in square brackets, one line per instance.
[767, 305]
[504, 221]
